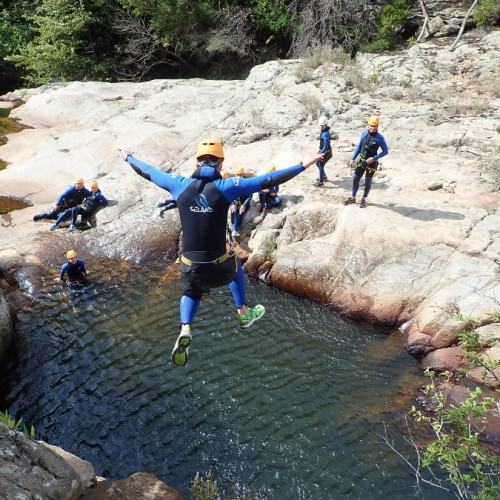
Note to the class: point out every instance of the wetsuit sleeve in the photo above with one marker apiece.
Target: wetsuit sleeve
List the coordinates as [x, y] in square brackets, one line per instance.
[64, 195]
[234, 187]
[174, 183]
[326, 141]
[102, 200]
[383, 145]
[360, 145]
[246, 203]
[64, 268]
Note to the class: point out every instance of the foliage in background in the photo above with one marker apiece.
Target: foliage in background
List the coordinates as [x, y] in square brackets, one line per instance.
[14, 425]
[487, 12]
[470, 467]
[391, 21]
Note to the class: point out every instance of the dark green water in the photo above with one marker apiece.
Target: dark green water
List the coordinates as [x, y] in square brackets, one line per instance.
[293, 406]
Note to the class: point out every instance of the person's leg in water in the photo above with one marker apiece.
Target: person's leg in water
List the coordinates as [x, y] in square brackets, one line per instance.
[368, 185]
[246, 315]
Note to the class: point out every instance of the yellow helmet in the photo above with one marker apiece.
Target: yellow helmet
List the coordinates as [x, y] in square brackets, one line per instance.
[210, 147]
[239, 170]
[224, 174]
[374, 120]
[94, 185]
[271, 168]
[70, 254]
[79, 181]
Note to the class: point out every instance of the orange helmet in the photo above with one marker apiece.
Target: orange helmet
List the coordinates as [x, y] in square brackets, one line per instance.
[224, 174]
[70, 254]
[374, 120]
[210, 147]
[239, 170]
[94, 185]
[79, 181]
[271, 168]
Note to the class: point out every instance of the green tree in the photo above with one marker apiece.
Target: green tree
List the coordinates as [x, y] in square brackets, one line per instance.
[66, 41]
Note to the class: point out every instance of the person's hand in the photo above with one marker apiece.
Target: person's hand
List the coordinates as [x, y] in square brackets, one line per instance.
[57, 279]
[312, 161]
[243, 209]
[370, 160]
[265, 190]
[351, 163]
[56, 207]
[125, 152]
[233, 208]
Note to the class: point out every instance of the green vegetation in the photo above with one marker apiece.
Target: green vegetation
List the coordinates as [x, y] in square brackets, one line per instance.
[487, 12]
[469, 466]
[14, 425]
[391, 21]
[62, 40]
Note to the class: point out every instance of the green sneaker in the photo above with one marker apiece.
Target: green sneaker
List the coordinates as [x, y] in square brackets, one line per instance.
[254, 313]
[180, 352]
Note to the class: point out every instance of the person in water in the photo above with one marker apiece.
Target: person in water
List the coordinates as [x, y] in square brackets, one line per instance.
[88, 208]
[71, 197]
[366, 152]
[74, 269]
[268, 197]
[239, 206]
[325, 149]
[203, 201]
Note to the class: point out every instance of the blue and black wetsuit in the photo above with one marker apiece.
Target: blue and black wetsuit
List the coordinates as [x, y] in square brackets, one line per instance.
[76, 273]
[86, 209]
[368, 146]
[203, 201]
[71, 197]
[267, 200]
[236, 216]
[325, 149]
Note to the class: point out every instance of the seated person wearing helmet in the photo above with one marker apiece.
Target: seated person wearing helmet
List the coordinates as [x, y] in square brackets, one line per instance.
[72, 197]
[239, 206]
[269, 198]
[203, 201]
[88, 208]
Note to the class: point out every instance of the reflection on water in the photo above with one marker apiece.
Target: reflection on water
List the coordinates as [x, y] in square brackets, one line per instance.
[293, 406]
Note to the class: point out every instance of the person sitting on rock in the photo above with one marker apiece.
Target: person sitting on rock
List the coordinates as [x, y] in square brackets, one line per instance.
[325, 149]
[269, 198]
[75, 269]
[239, 206]
[72, 197]
[88, 208]
[367, 162]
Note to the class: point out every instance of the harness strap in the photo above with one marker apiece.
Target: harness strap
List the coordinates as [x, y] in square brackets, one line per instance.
[219, 260]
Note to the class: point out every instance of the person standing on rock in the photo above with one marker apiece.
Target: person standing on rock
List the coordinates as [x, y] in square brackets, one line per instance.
[367, 162]
[325, 149]
[203, 201]
[72, 197]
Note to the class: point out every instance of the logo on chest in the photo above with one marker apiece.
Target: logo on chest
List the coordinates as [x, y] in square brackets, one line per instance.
[202, 205]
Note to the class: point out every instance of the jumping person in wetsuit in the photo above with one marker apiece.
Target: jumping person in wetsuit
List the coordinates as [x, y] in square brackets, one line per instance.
[75, 269]
[367, 163]
[203, 201]
[86, 209]
[325, 149]
[72, 197]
